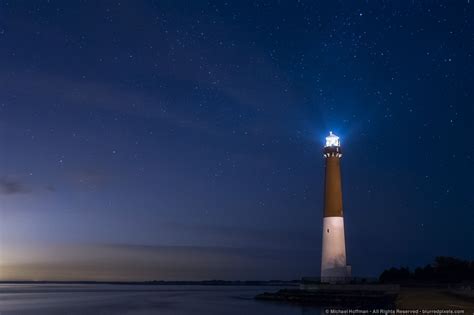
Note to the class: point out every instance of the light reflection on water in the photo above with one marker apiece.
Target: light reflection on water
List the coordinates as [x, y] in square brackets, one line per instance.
[84, 299]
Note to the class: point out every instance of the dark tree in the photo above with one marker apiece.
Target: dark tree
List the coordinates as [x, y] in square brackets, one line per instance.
[444, 270]
[395, 275]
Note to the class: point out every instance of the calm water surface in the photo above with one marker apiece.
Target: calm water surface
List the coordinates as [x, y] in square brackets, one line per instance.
[137, 299]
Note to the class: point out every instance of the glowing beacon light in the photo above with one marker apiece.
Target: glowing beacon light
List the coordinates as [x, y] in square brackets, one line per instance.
[332, 140]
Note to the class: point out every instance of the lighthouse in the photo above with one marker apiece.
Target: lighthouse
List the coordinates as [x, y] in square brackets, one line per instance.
[333, 258]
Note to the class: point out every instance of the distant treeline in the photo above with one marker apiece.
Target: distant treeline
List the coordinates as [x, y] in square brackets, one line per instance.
[444, 269]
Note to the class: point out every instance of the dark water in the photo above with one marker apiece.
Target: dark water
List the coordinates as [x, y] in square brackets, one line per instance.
[143, 300]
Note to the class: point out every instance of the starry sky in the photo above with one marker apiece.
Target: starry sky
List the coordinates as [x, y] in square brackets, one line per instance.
[177, 140]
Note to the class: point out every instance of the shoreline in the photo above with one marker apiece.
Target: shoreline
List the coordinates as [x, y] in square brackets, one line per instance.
[432, 298]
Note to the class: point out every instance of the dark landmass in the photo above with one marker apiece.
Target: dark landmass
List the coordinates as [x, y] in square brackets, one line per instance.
[447, 283]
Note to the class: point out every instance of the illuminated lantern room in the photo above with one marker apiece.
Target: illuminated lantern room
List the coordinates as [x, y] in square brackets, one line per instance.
[332, 140]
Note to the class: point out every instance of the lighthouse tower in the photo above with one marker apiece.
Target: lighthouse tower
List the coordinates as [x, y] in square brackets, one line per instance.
[333, 260]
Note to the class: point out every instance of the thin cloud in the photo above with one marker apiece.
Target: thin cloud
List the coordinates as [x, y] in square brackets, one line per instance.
[9, 186]
[87, 95]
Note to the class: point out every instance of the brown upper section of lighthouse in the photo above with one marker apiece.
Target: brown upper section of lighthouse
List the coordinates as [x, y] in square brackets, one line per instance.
[332, 189]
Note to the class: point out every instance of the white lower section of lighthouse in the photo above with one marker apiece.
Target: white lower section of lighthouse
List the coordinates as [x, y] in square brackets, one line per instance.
[333, 262]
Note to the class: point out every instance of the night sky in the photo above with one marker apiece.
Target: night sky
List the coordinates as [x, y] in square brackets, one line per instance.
[183, 139]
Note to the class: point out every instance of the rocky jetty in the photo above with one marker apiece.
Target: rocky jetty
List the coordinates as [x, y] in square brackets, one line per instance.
[333, 295]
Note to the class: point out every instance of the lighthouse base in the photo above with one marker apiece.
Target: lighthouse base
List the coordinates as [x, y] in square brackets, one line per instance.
[336, 275]
[333, 260]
